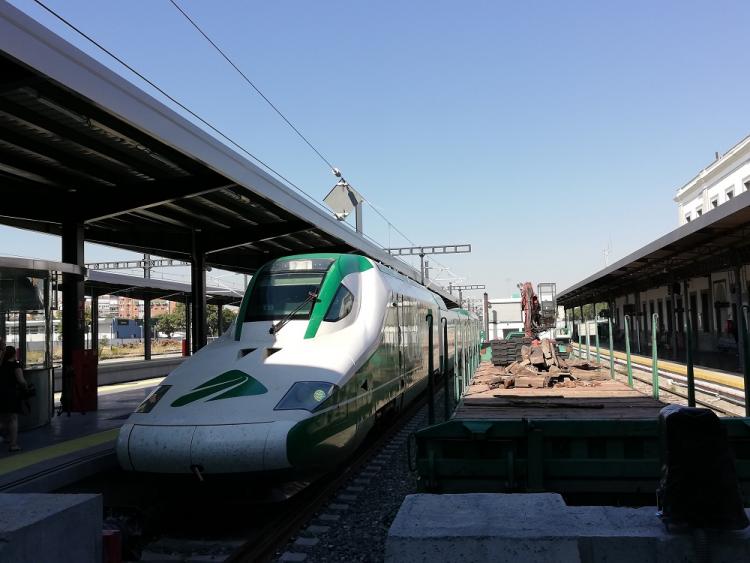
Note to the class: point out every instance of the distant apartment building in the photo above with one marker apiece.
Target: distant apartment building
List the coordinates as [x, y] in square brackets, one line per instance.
[130, 308]
[723, 179]
[114, 306]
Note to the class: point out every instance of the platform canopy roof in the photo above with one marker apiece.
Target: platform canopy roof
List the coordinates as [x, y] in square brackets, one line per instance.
[718, 240]
[105, 283]
[79, 143]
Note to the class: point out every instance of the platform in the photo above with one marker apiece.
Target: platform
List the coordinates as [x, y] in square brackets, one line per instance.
[710, 375]
[71, 447]
[540, 528]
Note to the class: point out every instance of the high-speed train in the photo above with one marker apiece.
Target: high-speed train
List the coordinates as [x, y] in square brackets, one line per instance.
[322, 346]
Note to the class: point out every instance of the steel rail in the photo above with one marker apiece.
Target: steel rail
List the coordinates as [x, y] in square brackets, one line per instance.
[306, 503]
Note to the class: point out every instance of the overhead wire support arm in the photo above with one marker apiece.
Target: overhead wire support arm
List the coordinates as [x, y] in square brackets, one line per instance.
[462, 288]
[421, 251]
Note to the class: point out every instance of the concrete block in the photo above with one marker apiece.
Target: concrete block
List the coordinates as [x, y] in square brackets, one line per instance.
[40, 527]
[541, 528]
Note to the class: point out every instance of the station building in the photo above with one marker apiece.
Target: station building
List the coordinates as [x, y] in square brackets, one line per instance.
[504, 316]
[719, 182]
[696, 273]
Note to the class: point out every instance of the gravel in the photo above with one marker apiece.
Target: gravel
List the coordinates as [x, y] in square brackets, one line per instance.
[359, 534]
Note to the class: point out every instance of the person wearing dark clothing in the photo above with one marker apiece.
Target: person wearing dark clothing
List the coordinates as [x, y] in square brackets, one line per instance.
[11, 383]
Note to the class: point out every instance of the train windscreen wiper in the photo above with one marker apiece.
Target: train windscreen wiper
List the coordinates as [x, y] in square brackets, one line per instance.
[279, 325]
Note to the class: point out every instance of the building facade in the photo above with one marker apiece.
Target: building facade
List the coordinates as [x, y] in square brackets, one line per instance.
[722, 180]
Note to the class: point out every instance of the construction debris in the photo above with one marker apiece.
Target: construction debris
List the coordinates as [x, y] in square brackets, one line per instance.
[539, 367]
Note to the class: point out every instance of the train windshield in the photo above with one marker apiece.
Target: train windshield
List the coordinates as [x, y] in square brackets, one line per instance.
[283, 287]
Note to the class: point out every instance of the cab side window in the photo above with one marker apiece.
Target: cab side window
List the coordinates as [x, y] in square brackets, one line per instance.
[341, 305]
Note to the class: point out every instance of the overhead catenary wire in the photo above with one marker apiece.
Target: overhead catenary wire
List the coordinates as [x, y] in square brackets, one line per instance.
[173, 100]
[277, 110]
[213, 127]
[251, 83]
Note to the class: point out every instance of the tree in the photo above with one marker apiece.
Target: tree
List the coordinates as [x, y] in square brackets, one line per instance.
[169, 323]
[212, 317]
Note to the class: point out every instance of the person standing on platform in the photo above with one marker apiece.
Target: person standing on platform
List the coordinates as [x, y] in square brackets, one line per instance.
[12, 383]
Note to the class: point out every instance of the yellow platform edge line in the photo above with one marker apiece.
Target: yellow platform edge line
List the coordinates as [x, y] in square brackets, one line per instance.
[734, 381]
[25, 459]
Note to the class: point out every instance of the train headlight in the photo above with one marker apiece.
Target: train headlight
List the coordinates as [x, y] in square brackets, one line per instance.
[307, 395]
[155, 396]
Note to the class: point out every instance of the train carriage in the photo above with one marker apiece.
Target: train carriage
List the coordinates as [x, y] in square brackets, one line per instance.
[322, 346]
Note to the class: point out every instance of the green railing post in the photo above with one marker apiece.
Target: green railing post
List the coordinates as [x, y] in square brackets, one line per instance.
[627, 350]
[746, 370]
[654, 358]
[580, 344]
[611, 351]
[598, 355]
[588, 343]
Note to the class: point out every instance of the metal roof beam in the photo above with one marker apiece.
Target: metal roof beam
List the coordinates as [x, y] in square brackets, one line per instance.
[251, 235]
[88, 142]
[150, 194]
[67, 159]
[83, 107]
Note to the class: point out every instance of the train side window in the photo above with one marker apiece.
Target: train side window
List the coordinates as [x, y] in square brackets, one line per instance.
[341, 305]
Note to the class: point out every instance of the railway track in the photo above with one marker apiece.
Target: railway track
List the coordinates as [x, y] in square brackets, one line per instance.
[723, 399]
[318, 494]
[165, 521]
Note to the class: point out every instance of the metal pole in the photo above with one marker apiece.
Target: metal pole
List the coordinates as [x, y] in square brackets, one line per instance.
[580, 344]
[627, 350]
[95, 322]
[486, 317]
[598, 355]
[688, 346]
[654, 358]
[746, 373]
[611, 351]
[358, 217]
[430, 374]
[421, 267]
[147, 329]
[588, 341]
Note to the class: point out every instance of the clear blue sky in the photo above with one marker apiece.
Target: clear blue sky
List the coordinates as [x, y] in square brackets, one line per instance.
[536, 131]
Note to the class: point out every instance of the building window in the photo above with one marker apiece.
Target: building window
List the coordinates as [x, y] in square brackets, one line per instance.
[746, 183]
[699, 212]
[687, 218]
[730, 194]
[715, 203]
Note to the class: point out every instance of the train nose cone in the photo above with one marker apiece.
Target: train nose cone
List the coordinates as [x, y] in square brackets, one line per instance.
[230, 448]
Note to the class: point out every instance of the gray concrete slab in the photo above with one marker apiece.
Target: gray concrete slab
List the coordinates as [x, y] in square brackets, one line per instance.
[541, 528]
[61, 528]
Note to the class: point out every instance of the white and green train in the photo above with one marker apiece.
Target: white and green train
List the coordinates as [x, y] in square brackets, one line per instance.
[322, 346]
